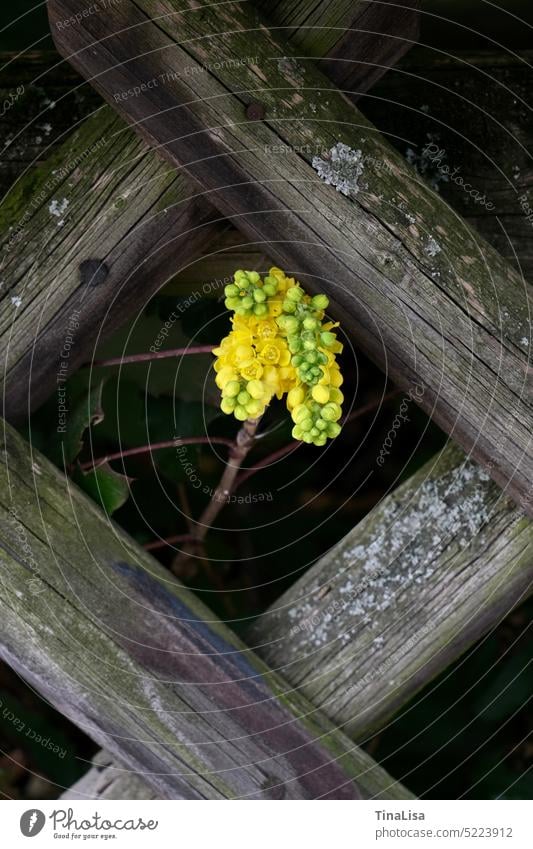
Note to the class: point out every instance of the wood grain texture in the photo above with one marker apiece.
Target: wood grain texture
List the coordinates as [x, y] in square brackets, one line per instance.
[103, 632]
[41, 100]
[466, 123]
[426, 298]
[380, 35]
[430, 570]
[102, 199]
[105, 780]
[126, 207]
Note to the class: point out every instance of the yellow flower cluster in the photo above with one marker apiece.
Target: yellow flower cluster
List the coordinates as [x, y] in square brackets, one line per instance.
[280, 344]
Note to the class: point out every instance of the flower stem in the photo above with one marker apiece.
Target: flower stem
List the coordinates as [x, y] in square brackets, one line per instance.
[162, 543]
[157, 446]
[239, 449]
[151, 355]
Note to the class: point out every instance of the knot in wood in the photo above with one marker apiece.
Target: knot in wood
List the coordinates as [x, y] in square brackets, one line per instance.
[255, 111]
[93, 272]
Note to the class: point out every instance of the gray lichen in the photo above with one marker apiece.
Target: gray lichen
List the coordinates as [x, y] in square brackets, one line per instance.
[432, 247]
[341, 167]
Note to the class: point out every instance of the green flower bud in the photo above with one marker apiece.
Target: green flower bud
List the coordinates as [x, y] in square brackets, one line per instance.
[320, 302]
[227, 405]
[247, 302]
[240, 413]
[260, 309]
[299, 414]
[232, 291]
[259, 296]
[294, 293]
[292, 325]
[232, 389]
[254, 408]
[328, 413]
[254, 276]
[328, 338]
[255, 389]
[333, 429]
[243, 397]
[331, 412]
[310, 323]
[288, 306]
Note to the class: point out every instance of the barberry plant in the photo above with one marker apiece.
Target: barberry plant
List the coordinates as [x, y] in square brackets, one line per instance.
[280, 344]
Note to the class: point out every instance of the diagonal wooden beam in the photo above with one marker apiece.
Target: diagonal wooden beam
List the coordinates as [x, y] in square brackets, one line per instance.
[103, 632]
[433, 568]
[427, 299]
[130, 214]
[381, 32]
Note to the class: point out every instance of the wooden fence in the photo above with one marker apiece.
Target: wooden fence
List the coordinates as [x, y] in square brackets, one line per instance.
[169, 692]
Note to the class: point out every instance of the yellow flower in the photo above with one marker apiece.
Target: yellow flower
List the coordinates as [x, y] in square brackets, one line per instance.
[266, 329]
[274, 352]
[251, 369]
[280, 344]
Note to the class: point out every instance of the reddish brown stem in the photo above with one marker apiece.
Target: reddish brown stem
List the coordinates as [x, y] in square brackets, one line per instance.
[162, 543]
[240, 448]
[157, 446]
[157, 355]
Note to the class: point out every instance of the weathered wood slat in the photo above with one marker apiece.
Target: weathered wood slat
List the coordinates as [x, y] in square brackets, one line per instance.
[103, 632]
[466, 123]
[423, 294]
[90, 238]
[105, 780]
[430, 570]
[380, 34]
[430, 93]
[31, 126]
[129, 210]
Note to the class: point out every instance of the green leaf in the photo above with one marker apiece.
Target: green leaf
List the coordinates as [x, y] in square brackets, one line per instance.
[87, 412]
[105, 486]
